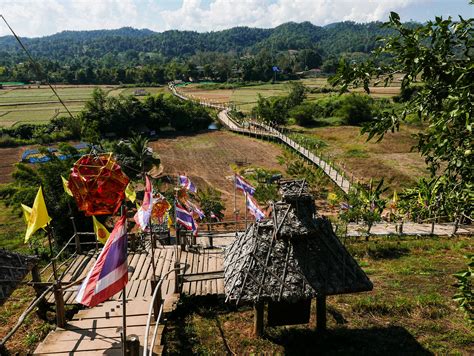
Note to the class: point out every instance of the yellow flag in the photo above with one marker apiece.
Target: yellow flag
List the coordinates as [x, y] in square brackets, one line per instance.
[65, 187]
[26, 213]
[170, 222]
[100, 231]
[130, 193]
[395, 197]
[38, 216]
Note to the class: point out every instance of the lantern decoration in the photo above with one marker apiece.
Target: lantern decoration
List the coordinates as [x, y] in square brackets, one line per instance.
[160, 208]
[98, 184]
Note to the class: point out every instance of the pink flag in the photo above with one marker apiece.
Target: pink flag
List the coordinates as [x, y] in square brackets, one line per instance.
[142, 217]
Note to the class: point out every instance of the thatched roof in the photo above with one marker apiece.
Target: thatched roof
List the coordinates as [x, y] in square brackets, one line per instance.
[290, 256]
[13, 268]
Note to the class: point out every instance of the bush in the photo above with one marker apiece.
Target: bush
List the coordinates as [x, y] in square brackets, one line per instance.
[303, 114]
[357, 109]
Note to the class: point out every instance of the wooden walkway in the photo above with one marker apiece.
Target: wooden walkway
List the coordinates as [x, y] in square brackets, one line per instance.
[96, 331]
[139, 275]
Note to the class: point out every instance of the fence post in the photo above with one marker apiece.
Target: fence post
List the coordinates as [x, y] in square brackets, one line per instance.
[455, 226]
[59, 302]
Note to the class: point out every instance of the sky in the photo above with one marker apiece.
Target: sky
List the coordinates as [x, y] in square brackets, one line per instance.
[36, 18]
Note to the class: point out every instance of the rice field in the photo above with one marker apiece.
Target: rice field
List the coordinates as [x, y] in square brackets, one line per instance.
[38, 104]
[245, 98]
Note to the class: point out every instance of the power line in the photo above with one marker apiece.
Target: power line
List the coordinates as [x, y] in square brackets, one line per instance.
[36, 66]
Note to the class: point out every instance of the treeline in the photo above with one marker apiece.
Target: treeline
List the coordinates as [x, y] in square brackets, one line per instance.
[113, 117]
[130, 56]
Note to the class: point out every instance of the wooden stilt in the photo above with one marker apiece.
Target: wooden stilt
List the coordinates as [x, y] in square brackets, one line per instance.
[321, 313]
[258, 319]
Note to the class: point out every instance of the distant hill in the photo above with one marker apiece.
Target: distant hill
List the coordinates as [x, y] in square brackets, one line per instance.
[69, 45]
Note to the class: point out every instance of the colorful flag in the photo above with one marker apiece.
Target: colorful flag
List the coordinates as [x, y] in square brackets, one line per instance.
[345, 206]
[185, 218]
[194, 208]
[109, 274]
[243, 185]
[186, 183]
[130, 193]
[275, 69]
[142, 216]
[100, 231]
[214, 216]
[66, 187]
[254, 209]
[39, 217]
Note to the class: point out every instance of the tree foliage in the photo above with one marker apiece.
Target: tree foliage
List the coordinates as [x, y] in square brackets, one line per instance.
[439, 55]
[129, 55]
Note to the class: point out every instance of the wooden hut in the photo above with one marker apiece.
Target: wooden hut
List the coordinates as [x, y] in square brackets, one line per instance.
[288, 259]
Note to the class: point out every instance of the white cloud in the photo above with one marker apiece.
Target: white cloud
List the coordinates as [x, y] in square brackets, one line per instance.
[228, 13]
[43, 17]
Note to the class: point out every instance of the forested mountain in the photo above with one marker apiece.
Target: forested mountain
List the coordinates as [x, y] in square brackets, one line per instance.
[106, 55]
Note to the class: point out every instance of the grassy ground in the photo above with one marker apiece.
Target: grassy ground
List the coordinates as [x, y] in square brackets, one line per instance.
[410, 310]
[391, 158]
[12, 228]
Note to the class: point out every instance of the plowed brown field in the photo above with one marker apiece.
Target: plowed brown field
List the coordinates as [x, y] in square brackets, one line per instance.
[207, 158]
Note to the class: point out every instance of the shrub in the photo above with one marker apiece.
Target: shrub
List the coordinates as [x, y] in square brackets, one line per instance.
[356, 109]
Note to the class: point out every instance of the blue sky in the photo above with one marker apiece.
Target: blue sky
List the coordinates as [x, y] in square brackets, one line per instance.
[34, 18]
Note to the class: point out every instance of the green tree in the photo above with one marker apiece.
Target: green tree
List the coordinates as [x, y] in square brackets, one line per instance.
[438, 54]
[210, 200]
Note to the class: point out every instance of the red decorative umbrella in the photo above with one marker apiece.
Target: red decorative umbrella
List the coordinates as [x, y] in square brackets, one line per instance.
[98, 184]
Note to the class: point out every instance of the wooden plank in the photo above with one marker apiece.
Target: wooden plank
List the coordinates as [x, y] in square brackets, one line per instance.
[132, 288]
[196, 260]
[205, 284]
[147, 292]
[139, 266]
[69, 335]
[146, 266]
[73, 346]
[99, 323]
[167, 265]
[82, 274]
[132, 263]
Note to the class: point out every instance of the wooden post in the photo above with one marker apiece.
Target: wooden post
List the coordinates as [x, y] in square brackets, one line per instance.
[35, 274]
[210, 237]
[77, 239]
[59, 302]
[432, 227]
[321, 313]
[176, 276]
[258, 319]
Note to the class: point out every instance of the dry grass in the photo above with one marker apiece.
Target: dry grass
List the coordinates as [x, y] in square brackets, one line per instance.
[391, 158]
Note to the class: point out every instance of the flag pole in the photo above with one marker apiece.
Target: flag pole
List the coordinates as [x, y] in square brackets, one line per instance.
[235, 203]
[53, 259]
[124, 299]
[245, 210]
[152, 241]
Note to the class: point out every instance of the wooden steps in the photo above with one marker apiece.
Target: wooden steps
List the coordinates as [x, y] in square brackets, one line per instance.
[96, 331]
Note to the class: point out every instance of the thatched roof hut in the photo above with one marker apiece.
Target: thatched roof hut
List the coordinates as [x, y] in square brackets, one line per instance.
[291, 256]
[13, 268]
